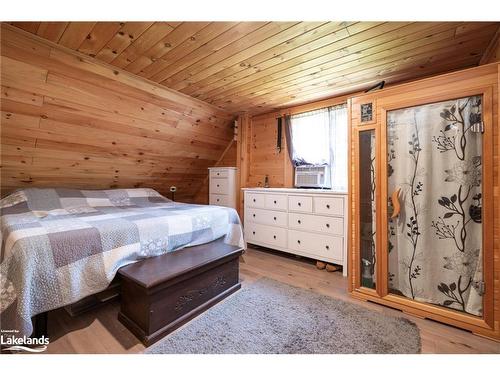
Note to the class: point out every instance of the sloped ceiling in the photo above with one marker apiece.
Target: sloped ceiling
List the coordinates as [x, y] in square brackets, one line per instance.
[261, 66]
[68, 120]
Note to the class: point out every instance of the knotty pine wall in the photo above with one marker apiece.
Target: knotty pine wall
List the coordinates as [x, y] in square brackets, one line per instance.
[228, 159]
[261, 157]
[69, 120]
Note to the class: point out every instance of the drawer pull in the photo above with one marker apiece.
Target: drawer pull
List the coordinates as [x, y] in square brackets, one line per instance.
[254, 200]
[218, 199]
[274, 202]
[275, 218]
[274, 236]
[298, 221]
[218, 185]
[298, 241]
[253, 215]
[218, 173]
[253, 232]
[327, 247]
[327, 225]
[300, 204]
[328, 206]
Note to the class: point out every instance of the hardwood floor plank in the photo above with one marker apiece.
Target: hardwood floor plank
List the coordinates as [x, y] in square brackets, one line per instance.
[99, 331]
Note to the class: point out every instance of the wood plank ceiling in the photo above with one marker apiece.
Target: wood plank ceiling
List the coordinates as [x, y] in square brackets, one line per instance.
[260, 66]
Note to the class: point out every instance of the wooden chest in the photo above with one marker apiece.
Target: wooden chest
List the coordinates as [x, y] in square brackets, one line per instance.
[162, 293]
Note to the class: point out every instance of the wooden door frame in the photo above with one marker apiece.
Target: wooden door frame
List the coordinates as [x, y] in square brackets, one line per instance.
[355, 256]
[449, 316]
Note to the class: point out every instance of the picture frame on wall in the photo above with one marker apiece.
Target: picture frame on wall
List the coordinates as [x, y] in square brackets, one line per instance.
[367, 112]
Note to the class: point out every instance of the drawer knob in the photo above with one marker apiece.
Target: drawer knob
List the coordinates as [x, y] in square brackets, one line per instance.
[327, 247]
[274, 237]
[327, 225]
[254, 199]
[298, 241]
[253, 215]
[253, 232]
[218, 185]
[328, 206]
[274, 202]
[300, 204]
[275, 218]
[298, 221]
[217, 173]
[218, 199]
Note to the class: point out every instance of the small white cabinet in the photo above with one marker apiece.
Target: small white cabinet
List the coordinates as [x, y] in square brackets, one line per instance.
[222, 186]
[307, 222]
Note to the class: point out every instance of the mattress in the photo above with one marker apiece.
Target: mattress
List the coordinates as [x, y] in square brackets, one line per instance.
[61, 245]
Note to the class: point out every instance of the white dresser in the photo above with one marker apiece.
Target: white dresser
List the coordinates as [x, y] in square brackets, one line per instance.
[222, 186]
[307, 222]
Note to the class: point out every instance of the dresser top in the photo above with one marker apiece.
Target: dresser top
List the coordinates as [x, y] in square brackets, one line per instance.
[295, 190]
[222, 168]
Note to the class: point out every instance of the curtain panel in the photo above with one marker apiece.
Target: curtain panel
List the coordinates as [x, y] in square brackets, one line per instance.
[320, 138]
[435, 244]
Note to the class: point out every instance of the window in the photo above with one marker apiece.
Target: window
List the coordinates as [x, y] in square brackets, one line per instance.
[320, 137]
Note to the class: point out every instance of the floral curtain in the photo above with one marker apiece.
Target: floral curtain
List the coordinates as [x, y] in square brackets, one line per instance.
[435, 243]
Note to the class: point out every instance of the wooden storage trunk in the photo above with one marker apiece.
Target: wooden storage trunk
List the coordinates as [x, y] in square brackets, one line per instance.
[160, 294]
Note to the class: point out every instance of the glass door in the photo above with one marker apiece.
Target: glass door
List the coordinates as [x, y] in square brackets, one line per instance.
[434, 186]
[367, 208]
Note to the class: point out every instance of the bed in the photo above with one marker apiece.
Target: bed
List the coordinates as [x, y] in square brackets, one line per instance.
[61, 245]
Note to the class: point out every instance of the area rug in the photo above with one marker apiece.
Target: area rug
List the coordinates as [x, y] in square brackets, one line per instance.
[269, 317]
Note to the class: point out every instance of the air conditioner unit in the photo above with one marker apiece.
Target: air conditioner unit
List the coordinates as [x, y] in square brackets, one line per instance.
[312, 176]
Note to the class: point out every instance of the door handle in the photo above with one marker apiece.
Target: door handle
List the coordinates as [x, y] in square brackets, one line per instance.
[395, 203]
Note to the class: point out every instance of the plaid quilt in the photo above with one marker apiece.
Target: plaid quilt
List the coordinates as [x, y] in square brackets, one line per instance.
[61, 245]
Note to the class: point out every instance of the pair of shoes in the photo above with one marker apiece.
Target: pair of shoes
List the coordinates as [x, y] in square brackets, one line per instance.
[332, 268]
[320, 265]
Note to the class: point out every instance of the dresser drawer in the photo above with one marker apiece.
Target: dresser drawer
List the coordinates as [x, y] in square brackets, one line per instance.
[276, 202]
[219, 200]
[218, 173]
[219, 186]
[329, 205]
[299, 203]
[324, 224]
[266, 217]
[255, 200]
[272, 236]
[316, 244]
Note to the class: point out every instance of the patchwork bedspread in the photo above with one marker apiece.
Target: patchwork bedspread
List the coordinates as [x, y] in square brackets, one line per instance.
[61, 245]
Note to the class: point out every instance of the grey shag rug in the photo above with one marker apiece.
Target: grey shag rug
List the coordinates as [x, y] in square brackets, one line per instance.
[268, 317]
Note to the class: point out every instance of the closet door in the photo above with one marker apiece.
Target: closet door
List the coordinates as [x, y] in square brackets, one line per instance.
[435, 194]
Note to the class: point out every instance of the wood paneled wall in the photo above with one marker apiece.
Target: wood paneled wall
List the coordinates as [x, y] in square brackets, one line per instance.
[261, 157]
[70, 120]
[228, 159]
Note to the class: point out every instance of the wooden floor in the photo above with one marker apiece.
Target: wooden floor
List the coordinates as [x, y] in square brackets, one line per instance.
[99, 331]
